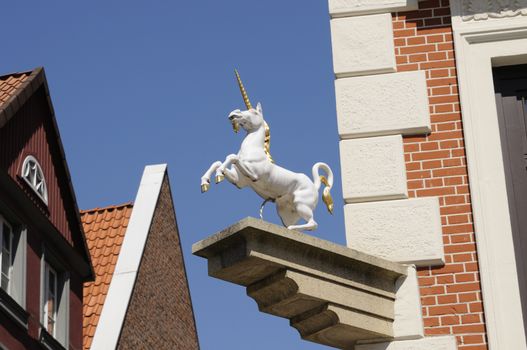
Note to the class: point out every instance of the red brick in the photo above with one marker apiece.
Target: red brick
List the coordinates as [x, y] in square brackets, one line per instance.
[465, 277]
[445, 279]
[414, 49]
[415, 184]
[476, 307]
[429, 146]
[428, 300]
[431, 155]
[447, 299]
[455, 209]
[452, 162]
[431, 321]
[439, 73]
[403, 33]
[463, 287]
[432, 164]
[432, 290]
[448, 269]
[450, 320]
[418, 174]
[418, 40]
[443, 90]
[434, 182]
[462, 257]
[462, 238]
[432, 56]
[449, 171]
[473, 318]
[477, 328]
[453, 309]
[437, 331]
[410, 166]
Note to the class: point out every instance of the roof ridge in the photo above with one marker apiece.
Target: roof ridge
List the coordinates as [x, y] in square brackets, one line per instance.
[7, 75]
[109, 207]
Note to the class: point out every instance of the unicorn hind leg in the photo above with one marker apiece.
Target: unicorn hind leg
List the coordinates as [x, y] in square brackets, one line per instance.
[306, 213]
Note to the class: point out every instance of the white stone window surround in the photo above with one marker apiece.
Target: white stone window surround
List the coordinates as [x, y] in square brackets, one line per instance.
[480, 46]
[33, 175]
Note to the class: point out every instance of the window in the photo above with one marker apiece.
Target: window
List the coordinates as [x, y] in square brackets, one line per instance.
[13, 270]
[6, 256]
[33, 175]
[54, 315]
[50, 300]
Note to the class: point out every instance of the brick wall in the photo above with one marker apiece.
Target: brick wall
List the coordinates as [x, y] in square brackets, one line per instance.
[160, 312]
[436, 166]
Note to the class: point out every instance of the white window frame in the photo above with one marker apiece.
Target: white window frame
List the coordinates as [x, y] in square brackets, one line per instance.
[32, 182]
[482, 44]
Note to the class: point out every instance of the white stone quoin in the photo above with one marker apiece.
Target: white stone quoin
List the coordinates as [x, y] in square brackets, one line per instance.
[382, 104]
[408, 322]
[429, 343]
[407, 231]
[373, 168]
[363, 45]
[341, 8]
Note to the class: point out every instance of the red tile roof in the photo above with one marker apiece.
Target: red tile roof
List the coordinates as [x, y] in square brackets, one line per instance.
[9, 85]
[105, 229]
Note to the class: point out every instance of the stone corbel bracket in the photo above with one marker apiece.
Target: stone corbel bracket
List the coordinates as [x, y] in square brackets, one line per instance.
[331, 294]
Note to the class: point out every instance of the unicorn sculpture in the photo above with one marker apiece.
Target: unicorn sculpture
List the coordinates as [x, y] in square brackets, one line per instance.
[295, 195]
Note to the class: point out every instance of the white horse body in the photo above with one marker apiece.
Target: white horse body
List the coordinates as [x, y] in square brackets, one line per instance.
[296, 196]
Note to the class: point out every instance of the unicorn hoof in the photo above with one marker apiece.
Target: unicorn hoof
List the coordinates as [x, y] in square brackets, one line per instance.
[219, 178]
[204, 188]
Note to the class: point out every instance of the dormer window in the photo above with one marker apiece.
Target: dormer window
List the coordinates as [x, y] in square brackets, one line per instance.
[32, 173]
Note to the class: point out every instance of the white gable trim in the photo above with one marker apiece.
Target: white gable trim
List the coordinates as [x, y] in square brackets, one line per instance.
[123, 280]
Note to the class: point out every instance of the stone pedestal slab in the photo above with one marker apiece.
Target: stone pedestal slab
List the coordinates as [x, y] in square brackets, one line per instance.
[331, 294]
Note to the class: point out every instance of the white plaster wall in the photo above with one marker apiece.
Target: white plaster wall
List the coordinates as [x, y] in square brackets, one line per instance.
[407, 231]
[373, 168]
[430, 343]
[363, 45]
[408, 322]
[340, 8]
[382, 104]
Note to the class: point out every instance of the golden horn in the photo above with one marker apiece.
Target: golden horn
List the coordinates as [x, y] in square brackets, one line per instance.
[242, 90]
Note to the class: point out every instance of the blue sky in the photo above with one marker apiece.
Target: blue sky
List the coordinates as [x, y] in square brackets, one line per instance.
[136, 83]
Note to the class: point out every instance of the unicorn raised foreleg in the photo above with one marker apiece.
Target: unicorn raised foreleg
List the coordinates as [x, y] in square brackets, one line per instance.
[295, 195]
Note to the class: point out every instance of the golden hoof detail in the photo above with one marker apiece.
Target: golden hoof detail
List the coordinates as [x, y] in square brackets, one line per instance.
[204, 188]
[219, 178]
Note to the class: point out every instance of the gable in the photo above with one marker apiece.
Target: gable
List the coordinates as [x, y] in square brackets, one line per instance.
[28, 128]
[148, 303]
[160, 315]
